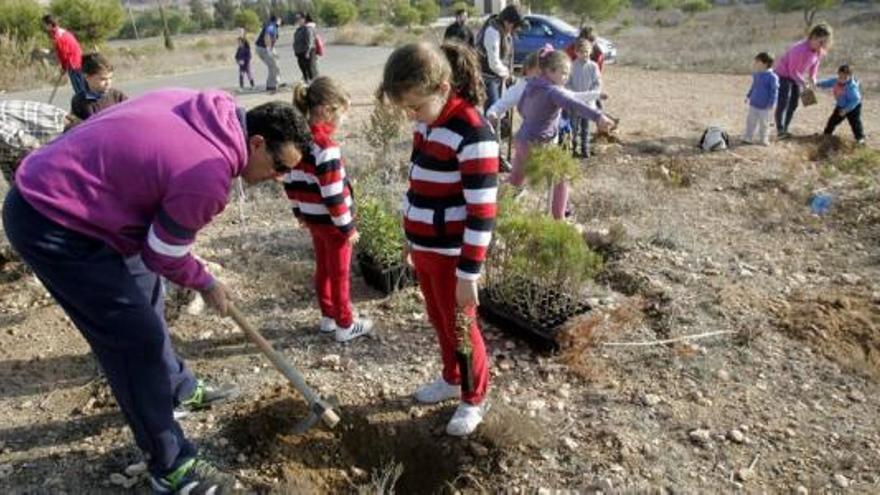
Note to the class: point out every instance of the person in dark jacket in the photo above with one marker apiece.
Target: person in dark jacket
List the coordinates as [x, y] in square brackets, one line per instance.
[99, 94]
[305, 47]
[495, 47]
[459, 31]
[243, 59]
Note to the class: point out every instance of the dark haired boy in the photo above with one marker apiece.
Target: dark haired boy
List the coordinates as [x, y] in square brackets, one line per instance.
[761, 98]
[99, 94]
[848, 102]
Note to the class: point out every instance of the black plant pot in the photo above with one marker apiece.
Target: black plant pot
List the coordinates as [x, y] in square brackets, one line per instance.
[386, 279]
[542, 330]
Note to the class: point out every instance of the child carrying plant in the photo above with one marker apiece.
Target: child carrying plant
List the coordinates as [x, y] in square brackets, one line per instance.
[243, 59]
[761, 98]
[585, 78]
[448, 211]
[541, 105]
[322, 202]
[99, 94]
[797, 70]
[848, 102]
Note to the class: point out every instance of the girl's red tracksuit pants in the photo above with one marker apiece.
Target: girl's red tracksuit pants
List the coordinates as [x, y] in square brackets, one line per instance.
[332, 273]
[437, 280]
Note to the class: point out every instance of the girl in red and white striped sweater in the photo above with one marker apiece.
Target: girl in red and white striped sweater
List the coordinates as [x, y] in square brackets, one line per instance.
[449, 209]
[322, 201]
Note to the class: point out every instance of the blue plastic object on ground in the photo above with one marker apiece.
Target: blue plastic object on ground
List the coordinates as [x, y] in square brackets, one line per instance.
[820, 203]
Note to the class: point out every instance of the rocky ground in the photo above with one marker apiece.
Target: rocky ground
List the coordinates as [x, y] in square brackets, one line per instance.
[781, 398]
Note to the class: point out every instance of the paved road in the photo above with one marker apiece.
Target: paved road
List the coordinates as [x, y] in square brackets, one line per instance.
[340, 61]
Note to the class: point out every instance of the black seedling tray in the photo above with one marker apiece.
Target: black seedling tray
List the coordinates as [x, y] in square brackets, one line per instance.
[386, 279]
[510, 317]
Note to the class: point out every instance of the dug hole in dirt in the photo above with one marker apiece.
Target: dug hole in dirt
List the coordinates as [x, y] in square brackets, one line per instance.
[372, 447]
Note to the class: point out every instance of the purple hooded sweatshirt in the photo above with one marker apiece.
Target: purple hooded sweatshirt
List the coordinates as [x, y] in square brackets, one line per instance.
[143, 176]
[541, 105]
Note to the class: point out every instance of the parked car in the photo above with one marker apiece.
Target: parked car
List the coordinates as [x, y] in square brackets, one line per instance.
[540, 30]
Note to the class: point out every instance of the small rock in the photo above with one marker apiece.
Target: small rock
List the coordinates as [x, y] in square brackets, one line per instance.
[536, 405]
[331, 360]
[570, 443]
[605, 486]
[136, 469]
[564, 393]
[357, 473]
[849, 278]
[223, 442]
[478, 450]
[651, 400]
[700, 436]
[509, 345]
[118, 479]
[744, 474]
[723, 375]
[801, 490]
[736, 436]
[841, 480]
[856, 396]
[195, 307]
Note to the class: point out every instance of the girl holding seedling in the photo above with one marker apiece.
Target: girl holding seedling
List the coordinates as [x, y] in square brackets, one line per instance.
[541, 104]
[449, 210]
[797, 70]
[322, 202]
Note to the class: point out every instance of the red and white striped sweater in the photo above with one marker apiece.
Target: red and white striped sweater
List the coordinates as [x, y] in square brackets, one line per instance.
[318, 186]
[450, 206]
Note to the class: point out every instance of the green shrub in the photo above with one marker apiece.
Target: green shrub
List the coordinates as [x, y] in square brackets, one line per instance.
[694, 6]
[467, 6]
[200, 17]
[224, 14]
[403, 14]
[535, 253]
[373, 12]
[92, 21]
[428, 10]
[382, 237]
[337, 12]
[149, 24]
[247, 19]
[20, 19]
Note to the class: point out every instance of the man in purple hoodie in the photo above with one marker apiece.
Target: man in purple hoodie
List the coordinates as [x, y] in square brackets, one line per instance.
[103, 211]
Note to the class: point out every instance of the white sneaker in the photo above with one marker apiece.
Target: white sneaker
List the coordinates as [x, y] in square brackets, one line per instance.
[360, 327]
[466, 419]
[327, 325]
[437, 391]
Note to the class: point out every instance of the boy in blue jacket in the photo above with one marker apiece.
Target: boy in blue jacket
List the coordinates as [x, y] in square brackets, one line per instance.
[761, 98]
[848, 102]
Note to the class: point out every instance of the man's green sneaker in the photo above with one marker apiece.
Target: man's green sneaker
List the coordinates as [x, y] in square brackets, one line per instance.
[203, 397]
[194, 477]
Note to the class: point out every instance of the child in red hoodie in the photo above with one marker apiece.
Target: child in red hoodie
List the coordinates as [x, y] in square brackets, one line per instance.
[322, 201]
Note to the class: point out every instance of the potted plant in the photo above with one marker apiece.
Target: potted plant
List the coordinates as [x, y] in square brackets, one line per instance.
[536, 273]
[380, 249]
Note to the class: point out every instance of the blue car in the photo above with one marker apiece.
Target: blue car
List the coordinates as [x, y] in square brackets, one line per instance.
[540, 30]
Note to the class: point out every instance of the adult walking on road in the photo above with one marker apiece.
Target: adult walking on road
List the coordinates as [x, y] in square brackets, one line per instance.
[68, 52]
[305, 47]
[266, 51]
[101, 220]
[495, 46]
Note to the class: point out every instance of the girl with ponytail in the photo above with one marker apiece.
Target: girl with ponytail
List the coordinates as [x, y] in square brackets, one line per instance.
[449, 210]
[322, 202]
